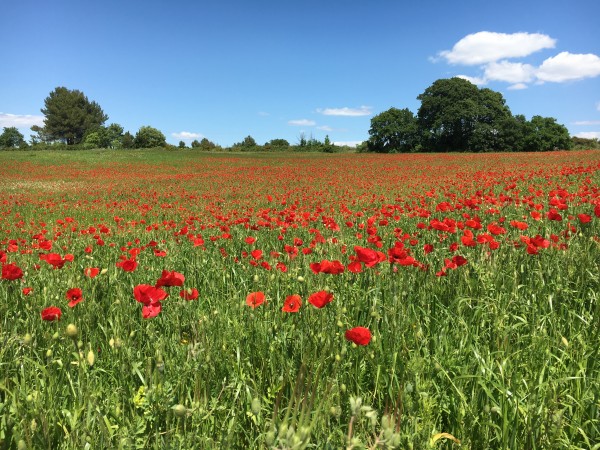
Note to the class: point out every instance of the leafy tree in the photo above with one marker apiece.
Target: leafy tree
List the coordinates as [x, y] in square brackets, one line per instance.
[127, 141]
[394, 130]
[448, 114]
[544, 133]
[277, 145]
[181, 144]
[584, 143]
[12, 138]
[69, 116]
[204, 144]
[148, 137]
[248, 144]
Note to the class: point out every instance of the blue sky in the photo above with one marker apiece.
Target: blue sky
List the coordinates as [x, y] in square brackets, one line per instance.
[275, 69]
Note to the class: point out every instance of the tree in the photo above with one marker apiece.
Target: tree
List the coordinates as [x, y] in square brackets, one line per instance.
[544, 133]
[181, 144]
[12, 138]
[394, 130]
[148, 137]
[127, 141]
[448, 113]
[69, 116]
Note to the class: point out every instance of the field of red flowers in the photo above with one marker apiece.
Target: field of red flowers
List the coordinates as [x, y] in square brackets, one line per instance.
[154, 300]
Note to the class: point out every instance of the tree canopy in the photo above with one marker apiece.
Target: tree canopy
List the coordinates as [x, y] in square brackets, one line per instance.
[69, 116]
[148, 137]
[457, 116]
[11, 137]
[393, 130]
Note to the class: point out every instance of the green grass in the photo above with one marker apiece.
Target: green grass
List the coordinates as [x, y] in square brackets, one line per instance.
[500, 353]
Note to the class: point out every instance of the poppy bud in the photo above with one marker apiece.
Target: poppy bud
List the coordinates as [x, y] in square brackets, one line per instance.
[27, 339]
[91, 358]
[179, 410]
[71, 330]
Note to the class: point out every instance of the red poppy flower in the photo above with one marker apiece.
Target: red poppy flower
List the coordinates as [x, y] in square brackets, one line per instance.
[170, 279]
[27, 291]
[320, 299]
[54, 259]
[74, 296]
[355, 267]
[292, 303]
[189, 294]
[255, 299]
[11, 272]
[584, 218]
[250, 240]
[151, 310]
[329, 267]
[256, 254]
[129, 265]
[147, 294]
[369, 257]
[91, 272]
[51, 313]
[359, 335]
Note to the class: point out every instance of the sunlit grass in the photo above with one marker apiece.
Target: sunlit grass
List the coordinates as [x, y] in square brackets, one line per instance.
[501, 352]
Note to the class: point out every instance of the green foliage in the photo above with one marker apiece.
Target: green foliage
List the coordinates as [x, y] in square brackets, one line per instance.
[543, 133]
[394, 130]
[181, 144]
[128, 141]
[455, 115]
[584, 144]
[204, 145]
[11, 137]
[148, 137]
[69, 116]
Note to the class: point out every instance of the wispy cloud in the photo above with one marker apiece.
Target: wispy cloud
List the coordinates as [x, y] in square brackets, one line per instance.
[302, 123]
[325, 128]
[186, 135]
[347, 143]
[263, 114]
[486, 46]
[348, 112]
[589, 134]
[20, 121]
[587, 122]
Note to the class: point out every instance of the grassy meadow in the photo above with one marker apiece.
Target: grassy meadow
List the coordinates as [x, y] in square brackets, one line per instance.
[154, 299]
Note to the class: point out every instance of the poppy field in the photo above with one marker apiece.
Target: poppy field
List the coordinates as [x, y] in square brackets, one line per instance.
[154, 299]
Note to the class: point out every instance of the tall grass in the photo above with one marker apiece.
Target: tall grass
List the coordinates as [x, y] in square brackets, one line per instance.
[499, 353]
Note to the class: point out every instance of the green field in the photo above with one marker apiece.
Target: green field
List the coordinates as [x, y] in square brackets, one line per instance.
[477, 277]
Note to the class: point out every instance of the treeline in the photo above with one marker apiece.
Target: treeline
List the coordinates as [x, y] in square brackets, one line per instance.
[454, 116]
[72, 121]
[457, 116]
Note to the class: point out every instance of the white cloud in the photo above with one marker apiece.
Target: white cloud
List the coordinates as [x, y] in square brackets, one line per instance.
[589, 134]
[302, 123]
[485, 47]
[569, 66]
[347, 143]
[263, 114]
[517, 87]
[587, 122]
[186, 135]
[509, 72]
[325, 128]
[598, 106]
[349, 112]
[475, 80]
[20, 121]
